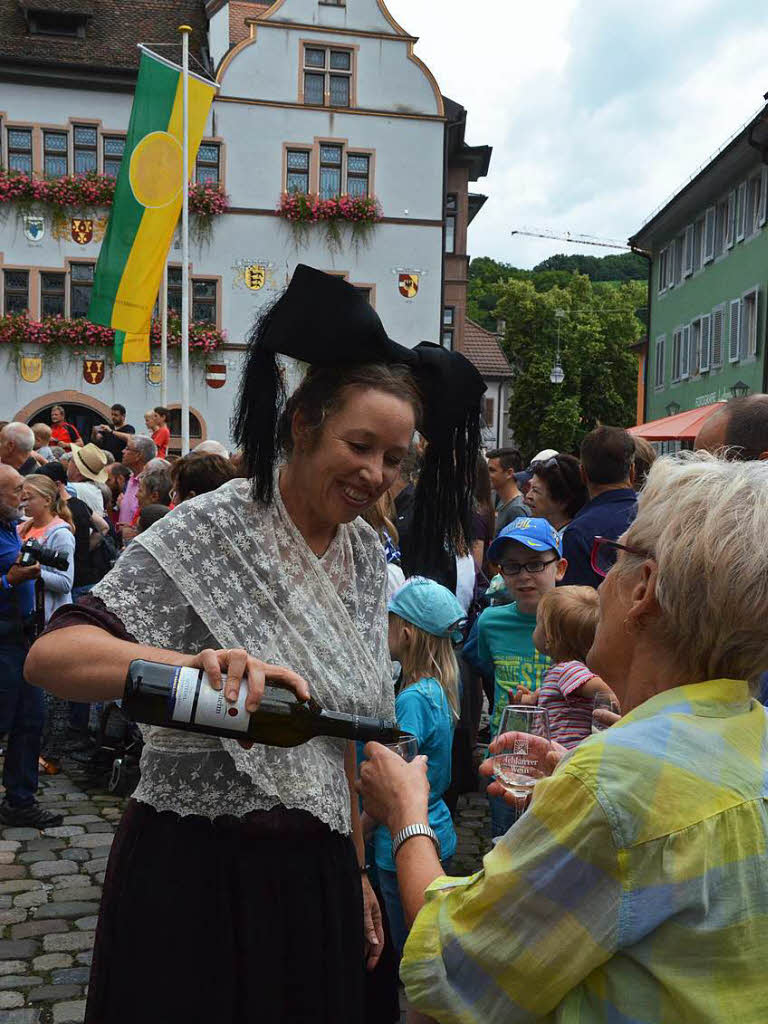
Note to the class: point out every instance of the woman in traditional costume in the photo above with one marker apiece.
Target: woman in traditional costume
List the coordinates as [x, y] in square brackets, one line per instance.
[235, 890]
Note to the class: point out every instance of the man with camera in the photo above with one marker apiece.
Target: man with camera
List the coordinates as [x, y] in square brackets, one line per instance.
[22, 708]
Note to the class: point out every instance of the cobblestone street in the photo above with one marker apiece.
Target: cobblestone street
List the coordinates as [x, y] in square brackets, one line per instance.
[50, 887]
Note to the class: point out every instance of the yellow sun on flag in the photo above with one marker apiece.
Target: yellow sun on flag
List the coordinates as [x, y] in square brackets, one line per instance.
[156, 170]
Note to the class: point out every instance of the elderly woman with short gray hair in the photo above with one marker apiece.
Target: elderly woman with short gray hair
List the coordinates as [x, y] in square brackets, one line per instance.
[635, 886]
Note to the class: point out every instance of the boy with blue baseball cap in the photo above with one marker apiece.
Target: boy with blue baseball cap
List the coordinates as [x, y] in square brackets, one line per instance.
[530, 556]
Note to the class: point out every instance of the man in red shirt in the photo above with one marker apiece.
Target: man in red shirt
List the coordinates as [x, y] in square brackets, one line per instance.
[162, 434]
[63, 433]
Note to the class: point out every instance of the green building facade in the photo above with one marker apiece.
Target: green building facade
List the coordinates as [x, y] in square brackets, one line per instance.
[708, 249]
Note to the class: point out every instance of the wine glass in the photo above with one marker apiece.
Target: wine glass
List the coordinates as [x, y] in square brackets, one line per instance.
[525, 740]
[407, 748]
[603, 702]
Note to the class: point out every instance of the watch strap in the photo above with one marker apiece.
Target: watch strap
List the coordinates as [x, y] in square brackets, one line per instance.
[417, 829]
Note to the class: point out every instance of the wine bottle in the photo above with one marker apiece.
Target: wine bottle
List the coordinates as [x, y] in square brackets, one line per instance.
[182, 698]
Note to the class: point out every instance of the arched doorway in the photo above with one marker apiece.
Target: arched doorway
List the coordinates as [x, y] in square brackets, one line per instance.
[82, 411]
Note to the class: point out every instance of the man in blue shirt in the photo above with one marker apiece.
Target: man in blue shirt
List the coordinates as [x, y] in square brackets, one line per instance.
[22, 707]
[606, 465]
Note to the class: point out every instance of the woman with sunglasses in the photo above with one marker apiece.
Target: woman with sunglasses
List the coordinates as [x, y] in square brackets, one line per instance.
[556, 491]
[633, 888]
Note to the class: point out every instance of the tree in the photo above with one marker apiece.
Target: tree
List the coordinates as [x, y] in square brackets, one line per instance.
[600, 369]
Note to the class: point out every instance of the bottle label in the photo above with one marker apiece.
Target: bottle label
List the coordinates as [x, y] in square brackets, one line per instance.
[196, 702]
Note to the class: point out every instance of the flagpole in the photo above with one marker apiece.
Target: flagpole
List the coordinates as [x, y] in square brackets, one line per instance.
[185, 30]
[164, 337]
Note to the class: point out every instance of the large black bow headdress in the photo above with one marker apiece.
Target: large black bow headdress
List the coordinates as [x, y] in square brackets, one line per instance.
[323, 321]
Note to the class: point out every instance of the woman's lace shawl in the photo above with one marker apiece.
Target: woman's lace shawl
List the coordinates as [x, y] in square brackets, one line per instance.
[225, 571]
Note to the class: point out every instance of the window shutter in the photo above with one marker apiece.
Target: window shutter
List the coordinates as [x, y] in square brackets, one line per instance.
[671, 258]
[705, 329]
[659, 370]
[733, 332]
[741, 211]
[662, 270]
[685, 352]
[709, 232]
[688, 263]
[763, 207]
[730, 220]
[717, 335]
[676, 338]
[752, 347]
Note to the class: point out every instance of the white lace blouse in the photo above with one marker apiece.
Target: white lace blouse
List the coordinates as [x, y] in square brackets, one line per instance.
[223, 570]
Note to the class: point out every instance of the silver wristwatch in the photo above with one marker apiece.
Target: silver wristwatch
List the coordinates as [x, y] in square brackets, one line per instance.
[414, 830]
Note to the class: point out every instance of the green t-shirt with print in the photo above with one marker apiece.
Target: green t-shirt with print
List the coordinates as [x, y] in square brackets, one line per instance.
[505, 638]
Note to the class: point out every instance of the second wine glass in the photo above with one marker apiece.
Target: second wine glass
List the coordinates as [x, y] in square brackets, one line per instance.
[524, 739]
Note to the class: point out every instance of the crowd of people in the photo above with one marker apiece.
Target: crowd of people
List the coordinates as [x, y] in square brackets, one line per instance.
[362, 549]
[84, 502]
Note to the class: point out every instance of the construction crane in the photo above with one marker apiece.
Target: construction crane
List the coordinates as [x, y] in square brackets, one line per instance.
[604, 243]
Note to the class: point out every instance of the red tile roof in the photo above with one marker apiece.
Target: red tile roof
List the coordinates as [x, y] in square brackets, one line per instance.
[482, 349]
[113, 29]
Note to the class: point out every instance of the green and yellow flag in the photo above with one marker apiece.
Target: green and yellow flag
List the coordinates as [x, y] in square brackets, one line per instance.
[147, 203]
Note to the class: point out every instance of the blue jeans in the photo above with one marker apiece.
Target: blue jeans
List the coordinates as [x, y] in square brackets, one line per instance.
[390, 891]
[22, 713]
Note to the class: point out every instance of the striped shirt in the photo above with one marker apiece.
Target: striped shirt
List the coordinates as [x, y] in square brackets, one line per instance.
[570, 715]
[634, 889]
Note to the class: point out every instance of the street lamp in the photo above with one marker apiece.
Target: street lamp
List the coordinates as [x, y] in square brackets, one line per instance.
[673, 408]
[557, 376]
[740, 389]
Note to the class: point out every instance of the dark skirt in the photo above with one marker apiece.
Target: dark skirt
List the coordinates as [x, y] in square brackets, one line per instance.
[228, 922]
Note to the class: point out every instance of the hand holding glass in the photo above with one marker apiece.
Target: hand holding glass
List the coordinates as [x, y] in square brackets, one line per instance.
[521, 748]
[407, 748]
[604, 702]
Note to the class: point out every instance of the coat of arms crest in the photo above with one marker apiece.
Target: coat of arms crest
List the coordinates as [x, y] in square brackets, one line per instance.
[93, 371]
[34, 228]
[31, 368]
[82, 230]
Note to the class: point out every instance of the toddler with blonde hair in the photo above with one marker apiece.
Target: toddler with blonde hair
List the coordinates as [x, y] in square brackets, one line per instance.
[566, 620]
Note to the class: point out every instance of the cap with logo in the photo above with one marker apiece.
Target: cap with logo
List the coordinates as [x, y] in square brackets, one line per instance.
[536, 534]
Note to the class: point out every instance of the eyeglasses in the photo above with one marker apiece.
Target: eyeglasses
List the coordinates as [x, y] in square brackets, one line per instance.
[515, 568]
[605, 552]
[545, 464]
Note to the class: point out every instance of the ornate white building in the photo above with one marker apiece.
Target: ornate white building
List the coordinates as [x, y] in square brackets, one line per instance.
[319, 96]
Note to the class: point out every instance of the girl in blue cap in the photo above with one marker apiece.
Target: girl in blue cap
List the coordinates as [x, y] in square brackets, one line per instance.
[424, 620]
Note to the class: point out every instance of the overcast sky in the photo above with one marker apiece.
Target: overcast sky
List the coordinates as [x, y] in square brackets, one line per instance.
[597, 111]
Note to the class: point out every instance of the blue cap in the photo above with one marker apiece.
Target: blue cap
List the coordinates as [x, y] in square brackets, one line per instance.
[430, 606]
[536, 534]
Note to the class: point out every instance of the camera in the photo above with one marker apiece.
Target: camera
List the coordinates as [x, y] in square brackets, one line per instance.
[33, 551]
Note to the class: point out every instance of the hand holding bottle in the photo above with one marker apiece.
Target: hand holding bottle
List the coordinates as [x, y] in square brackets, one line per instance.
[229, 668]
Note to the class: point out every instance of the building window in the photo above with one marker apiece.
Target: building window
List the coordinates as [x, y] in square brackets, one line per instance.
[113, 149]
[80, 288]
[365, 291]
[57, 23]
[174, 290]
[658, 375]
[51, 293]
[174, 423]
[54, 154]
[698, 244]
[717, 332]
[207, 163]
[451, 206]
[449, 323]
[330, 171]
[663, 270]
[695, 346]
[721, 219]
[358, 171]
[679, 246]
[297, 170]
[204, 301]
[327, 76]
[730, 223]
[753, 205]
[16, 291]
[741, 211]
[709, 234]
[681, 339]
[748, 317]
[688, 260]
[733, 331]
[705, 350]
[85, 139]
[20, 150]
[489, 412]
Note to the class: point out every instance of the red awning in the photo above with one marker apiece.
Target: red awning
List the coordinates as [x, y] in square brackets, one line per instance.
[683, 426]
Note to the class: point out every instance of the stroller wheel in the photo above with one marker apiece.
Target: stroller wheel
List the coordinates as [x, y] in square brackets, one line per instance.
[115, 776]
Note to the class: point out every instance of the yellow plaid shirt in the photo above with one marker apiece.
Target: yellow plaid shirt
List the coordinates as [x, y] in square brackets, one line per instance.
[633, 891]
